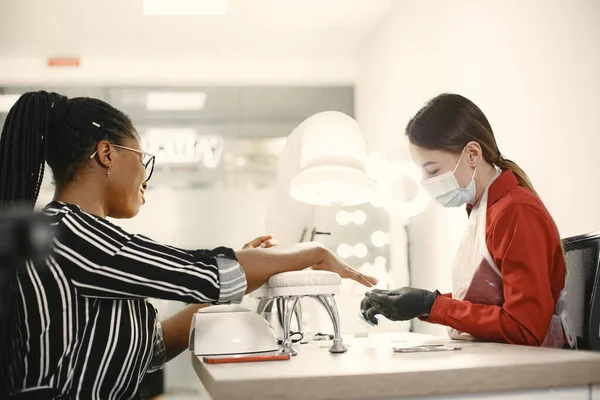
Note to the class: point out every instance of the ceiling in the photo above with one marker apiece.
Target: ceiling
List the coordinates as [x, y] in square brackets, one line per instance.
[230, 111]
[273, 28]
[251, 123]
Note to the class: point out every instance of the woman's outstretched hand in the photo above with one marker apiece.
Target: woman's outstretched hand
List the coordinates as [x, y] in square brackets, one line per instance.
[333, 263]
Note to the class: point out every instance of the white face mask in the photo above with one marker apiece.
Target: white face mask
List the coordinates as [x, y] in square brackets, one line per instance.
[445, 190]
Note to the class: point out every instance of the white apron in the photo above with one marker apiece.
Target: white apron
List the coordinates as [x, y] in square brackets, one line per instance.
[477, 279]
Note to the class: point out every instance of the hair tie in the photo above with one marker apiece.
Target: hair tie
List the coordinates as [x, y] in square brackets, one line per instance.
[501, 160]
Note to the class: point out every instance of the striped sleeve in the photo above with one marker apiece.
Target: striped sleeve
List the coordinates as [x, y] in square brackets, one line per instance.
[159, 350]
[232, 279]
[103, 261]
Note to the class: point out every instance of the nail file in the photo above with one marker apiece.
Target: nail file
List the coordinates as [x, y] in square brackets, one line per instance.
[424, 349]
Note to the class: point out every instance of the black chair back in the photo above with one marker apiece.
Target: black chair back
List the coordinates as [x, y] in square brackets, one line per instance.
[582, 255]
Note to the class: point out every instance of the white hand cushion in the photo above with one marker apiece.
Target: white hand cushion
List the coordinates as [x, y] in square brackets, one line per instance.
[300, 283]
[307, 277]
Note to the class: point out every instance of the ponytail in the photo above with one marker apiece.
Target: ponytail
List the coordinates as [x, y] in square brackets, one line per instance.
[506, 165]
[48, 127]
[524, 181]
[23, 147]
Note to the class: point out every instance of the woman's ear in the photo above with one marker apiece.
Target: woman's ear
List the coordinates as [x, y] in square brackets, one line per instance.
[474, 153]
[105, 154]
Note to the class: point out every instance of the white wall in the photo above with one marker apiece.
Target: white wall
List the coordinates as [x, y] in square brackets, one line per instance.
[533, 67]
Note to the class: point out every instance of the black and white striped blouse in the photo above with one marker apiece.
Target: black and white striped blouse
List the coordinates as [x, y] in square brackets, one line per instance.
[81, 327]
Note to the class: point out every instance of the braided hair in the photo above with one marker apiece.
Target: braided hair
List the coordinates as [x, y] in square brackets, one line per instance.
[48, 127]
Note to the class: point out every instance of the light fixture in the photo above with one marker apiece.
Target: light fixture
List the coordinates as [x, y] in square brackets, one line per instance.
[175, 101]
[345, 250]
[332, 162]
[380, 239]
[7, 101]
[343, 217]
[366, 267]
[359, 217]
[185, 7]
[392, 198]
[380, 261]
[360, 250]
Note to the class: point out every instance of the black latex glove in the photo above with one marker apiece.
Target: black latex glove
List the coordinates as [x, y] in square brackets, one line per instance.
[397, 305]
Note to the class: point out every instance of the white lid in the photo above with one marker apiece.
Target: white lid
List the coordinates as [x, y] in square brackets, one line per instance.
[222, 308]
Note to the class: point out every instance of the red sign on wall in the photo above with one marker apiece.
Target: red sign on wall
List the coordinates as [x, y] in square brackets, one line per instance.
[63, 62]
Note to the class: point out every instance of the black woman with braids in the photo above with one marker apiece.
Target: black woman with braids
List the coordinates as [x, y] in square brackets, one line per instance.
[80, 327]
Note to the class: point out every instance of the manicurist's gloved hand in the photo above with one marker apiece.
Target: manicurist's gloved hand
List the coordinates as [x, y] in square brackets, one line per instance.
[397, 305]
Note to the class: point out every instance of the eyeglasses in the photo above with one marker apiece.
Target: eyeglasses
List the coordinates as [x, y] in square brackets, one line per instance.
[147, 159]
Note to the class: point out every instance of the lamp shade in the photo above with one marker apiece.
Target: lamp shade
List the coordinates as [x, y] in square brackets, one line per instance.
[332, 153]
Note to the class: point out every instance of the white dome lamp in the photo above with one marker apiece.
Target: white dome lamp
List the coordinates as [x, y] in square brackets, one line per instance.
[332, 152]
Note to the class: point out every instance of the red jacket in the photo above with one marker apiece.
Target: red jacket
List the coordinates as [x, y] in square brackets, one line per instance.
[525, 245]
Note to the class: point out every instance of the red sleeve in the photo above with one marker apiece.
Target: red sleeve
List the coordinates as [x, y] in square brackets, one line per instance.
[523, 243]
[426, 317]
